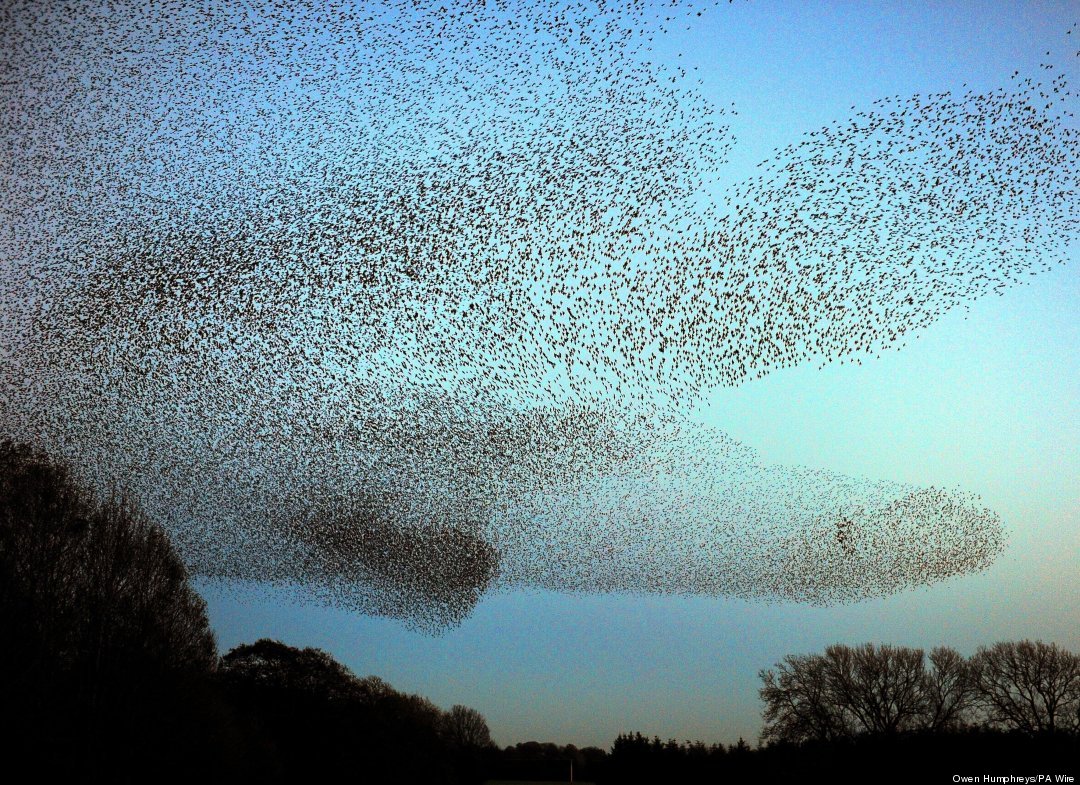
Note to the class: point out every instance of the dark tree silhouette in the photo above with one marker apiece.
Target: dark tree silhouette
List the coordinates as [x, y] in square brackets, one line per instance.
[635, 758]
[1028, 686]
[106, 642]
[466, 728]
[852, 710]
[881, 687]
[799, 702]
[271, 666]
[948, 691]
[312, 719]
[466, 734]
[864, 690]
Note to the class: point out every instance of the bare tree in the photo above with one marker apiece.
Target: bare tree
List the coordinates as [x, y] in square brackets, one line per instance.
[879, 686]
[1029, 686]
[466, 728]
[948, 690]
[798, 703]
[863, 689]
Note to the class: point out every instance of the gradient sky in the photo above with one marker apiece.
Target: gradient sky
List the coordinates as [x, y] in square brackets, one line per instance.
[987, 401]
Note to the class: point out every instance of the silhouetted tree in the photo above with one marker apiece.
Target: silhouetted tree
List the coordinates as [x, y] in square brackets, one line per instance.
[466, 733]
[105, 639]
[272, 666]
[466, 728]
[864, 689]
[948, 691]
[1029, 686]
[881, 687]
[800, 704]
[914, 720]
[315, 720]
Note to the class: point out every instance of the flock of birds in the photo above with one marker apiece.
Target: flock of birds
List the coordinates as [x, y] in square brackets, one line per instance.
[403, 302]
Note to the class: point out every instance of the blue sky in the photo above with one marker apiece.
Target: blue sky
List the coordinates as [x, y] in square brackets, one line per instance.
[986, 400]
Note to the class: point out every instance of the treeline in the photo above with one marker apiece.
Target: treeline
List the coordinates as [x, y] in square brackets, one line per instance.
[889, 714]
[915, 756]
[632, 758]
[1011, 708]
[298, 714]
[1023, 686]
[109, 670]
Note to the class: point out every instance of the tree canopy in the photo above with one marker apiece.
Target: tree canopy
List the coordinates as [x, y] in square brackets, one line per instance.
[1022, 686]
[104, 633]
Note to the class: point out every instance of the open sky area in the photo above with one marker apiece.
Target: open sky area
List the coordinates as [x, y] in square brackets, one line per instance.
[988, 401]
[984, 399]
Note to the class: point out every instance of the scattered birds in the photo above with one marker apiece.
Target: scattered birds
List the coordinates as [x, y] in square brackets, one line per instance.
[400, 303]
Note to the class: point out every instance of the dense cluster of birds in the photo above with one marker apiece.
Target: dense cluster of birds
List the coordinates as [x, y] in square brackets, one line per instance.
[404, 301]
